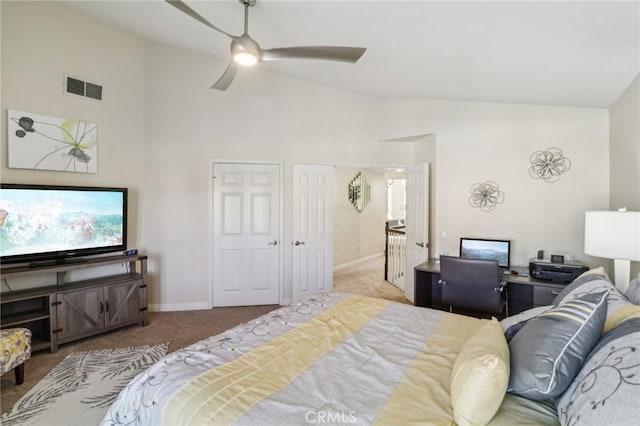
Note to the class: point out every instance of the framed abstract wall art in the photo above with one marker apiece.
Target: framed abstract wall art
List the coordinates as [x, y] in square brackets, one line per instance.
[41, 142]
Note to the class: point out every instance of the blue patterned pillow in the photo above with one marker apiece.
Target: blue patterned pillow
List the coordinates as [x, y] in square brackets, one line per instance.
[548, 351]
[606, 390]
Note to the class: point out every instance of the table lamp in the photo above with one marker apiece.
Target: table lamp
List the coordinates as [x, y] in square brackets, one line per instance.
[614, 235]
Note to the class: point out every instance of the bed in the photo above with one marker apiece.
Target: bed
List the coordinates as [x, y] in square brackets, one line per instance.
[340, 358]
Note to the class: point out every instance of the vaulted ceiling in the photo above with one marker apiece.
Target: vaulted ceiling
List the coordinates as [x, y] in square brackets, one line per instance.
[576, 53]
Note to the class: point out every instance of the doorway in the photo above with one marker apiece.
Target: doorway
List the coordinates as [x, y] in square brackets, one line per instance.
[360, 237]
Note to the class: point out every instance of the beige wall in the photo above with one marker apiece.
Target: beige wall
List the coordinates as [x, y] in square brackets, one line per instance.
[41, 43]
[161, 126]
[262, 117]
[358, 235]
[624, 134]
[479, 141]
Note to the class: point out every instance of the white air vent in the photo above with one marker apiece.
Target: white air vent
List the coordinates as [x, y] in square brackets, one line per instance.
[83, 88]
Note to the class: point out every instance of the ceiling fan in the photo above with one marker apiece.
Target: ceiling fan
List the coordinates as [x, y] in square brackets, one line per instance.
[246, 51]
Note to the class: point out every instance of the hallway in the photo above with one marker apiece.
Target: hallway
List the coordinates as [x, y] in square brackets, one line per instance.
[367, 278]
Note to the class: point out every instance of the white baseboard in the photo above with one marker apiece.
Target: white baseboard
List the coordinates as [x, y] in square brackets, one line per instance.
[355, 262]
[169, 307]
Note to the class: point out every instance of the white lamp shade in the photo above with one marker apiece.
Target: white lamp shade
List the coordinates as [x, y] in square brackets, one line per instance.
[612, 235]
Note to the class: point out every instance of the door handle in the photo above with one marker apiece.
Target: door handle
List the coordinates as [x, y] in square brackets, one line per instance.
[273, 243]
[298, 243]
[420, 244]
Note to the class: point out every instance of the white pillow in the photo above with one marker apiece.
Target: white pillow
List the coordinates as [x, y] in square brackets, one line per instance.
[480, 375]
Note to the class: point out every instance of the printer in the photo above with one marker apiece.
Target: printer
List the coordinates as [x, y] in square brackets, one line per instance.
[564, 272]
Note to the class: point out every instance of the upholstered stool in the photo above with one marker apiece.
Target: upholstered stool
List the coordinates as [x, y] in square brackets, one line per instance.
[15, 349]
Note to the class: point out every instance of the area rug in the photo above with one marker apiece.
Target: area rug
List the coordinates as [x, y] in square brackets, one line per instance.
[80, 389]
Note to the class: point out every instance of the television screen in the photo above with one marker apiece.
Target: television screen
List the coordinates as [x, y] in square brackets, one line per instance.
[42, 222]
[476, 248]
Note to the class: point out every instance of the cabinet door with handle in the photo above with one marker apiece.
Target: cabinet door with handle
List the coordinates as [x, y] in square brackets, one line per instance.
[79, 313]
[122, 303]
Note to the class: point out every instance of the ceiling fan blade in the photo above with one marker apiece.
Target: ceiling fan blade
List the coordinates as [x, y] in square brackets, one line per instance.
[327, 53]
[227, 77]
[188, 11]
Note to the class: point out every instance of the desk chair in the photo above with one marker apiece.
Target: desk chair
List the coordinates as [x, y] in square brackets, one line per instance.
[473, 285]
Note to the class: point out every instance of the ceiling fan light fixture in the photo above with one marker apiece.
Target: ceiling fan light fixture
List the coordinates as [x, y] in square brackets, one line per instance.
[245, 58]
[244, 50]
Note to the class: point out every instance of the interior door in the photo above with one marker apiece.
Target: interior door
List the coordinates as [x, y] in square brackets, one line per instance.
[312, 229]
[417, 224]
[246, 233]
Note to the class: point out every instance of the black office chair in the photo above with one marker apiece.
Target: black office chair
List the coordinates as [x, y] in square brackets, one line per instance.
[473, 285]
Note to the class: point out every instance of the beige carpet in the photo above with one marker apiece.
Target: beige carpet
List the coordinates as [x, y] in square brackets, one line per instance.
[181, 329]
[367, 278]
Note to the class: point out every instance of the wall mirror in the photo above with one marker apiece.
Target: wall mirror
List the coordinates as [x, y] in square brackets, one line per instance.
[359, 192]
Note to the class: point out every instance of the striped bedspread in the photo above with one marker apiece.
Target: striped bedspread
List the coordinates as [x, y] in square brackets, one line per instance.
[332, 359]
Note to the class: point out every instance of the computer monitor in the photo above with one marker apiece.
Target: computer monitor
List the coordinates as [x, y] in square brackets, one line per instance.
[476, 248]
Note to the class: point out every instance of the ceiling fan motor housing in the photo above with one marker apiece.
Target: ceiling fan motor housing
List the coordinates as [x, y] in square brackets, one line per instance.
[245, 44]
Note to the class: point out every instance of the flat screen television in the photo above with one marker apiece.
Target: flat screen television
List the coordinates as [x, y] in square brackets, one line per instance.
[476, 248]
[42, 224]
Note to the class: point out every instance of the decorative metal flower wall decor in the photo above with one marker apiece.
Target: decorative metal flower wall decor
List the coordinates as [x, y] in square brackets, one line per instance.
[359, 192]
[548, 165]
[486, 196]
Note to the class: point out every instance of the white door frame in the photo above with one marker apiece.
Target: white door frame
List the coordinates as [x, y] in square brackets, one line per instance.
[281, 224]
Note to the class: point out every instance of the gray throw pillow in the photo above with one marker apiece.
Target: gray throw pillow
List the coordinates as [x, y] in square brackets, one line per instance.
[619, 307]
[547, 352]
[523, 316]
[606, 390]
[633, 292]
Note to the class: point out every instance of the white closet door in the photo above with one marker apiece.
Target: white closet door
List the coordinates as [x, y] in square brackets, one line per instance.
[312, 241]
[246, 232]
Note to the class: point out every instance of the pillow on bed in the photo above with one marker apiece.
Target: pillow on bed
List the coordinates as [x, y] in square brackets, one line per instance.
[548, 351]
[523, 316]
[606, 390]
[633, 291]
[480, 375]
[619, 308]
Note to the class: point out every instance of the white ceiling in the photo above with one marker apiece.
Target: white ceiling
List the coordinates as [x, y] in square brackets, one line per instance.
[577, 53]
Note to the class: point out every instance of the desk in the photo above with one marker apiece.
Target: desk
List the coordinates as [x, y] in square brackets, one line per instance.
[523, 292]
